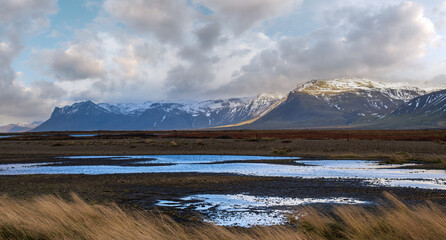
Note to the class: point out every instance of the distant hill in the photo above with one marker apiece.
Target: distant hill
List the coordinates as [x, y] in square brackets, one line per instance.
[10, 128]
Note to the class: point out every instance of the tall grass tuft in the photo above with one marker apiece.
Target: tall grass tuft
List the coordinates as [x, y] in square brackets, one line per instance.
[50, 217]
[398, 221]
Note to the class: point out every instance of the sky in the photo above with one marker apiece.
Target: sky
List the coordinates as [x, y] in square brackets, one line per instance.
[54, 53]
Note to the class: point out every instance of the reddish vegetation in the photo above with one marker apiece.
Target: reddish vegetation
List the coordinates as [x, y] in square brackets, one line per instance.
[397, 135]
[411, 135]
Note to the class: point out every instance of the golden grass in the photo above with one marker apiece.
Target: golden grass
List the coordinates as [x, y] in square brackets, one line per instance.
[424, 221]
[50, 217]
[53, 218]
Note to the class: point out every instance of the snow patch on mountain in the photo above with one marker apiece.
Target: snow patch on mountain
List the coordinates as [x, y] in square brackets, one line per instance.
[364, 86]
[126, 108]
[251, 107]
[427, 104]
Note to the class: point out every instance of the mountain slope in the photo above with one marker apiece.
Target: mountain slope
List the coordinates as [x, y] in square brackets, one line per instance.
[427, 111]
[360, 96]
[84, 116]
[337, 103]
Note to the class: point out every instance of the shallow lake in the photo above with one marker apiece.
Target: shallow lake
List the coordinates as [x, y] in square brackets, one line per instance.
[8, 136]
[242, 210]
[370, 172]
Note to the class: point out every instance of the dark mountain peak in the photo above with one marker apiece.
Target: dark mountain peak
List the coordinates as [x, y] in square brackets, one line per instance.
[79, 108]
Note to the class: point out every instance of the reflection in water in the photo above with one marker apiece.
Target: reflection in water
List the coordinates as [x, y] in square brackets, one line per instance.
[181, 159]
[246, 211]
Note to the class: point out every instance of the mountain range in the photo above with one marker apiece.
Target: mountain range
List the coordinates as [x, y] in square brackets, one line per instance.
[333, 103]
[158, 115]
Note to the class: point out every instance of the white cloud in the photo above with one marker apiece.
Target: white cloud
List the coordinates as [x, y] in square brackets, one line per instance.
[168, 49]
[357, 42]
[19, 19]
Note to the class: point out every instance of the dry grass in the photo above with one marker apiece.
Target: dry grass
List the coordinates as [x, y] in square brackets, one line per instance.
[52, 218]
[426, 221]
[436, 158]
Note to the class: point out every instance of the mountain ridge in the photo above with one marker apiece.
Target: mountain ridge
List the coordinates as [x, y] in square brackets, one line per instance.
[87, 115]
[332, 103]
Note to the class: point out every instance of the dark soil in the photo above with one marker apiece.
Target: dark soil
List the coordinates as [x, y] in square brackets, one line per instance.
[143, 190]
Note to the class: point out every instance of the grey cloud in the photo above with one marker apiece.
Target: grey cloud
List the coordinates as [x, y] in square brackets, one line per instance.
[32, 9]
[74, 65]
[209, 35]
[192, 80]
[439, 13]
[438, 81]
[240, 52]
[146, 52]
[244, 14]
[78, 60]
[265, 72]
[167, 19]
[47, 89]
[357, 43]
[184, 82]
[85, 95]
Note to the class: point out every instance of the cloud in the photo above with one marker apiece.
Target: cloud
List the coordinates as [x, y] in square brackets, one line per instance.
[209, 35]
[170, 49]
[183, 82]
[354, 42]
[437, 82]
[75, 63]
[242, 15]
[17, 20]
[26, 11]
[439, 13]
[168, 20]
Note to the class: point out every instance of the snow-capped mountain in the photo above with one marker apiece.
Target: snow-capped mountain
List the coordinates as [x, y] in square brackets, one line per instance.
[158, 115]
[333, 103]
[427, 111]
[337, 102]
[360, 96]
[432, 103]
[358, 86]
[126, 108]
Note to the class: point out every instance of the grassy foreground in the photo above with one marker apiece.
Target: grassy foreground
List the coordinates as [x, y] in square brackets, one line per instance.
[53, 218]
